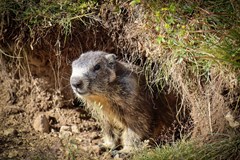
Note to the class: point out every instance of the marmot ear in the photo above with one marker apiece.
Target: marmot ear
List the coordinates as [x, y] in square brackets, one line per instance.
[111, 59]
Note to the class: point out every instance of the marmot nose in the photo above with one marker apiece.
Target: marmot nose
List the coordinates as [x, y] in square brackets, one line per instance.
[77, 83]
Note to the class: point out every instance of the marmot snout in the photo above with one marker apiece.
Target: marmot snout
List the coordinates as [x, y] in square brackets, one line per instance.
[91, 72]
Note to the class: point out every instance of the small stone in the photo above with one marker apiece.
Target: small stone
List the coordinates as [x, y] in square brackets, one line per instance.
[10, 132]
[41, 123]
[53, 130]
[96, 149]
[65, 128]
[95, 141]
[65, 132]
[75, 129]
[232, 122]
[118, 157]
[13, 110]
[85, 148]
[79, 139]
[94, 135]
[12, 154]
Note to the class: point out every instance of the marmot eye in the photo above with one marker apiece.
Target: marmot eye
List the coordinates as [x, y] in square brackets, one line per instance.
[96, 67]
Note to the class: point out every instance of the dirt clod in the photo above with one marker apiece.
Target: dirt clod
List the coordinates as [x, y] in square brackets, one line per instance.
[231, 120]
[12, 154]
[41, 123]
[65, 132]
[75, 129]
[97, 149]
[10, 132]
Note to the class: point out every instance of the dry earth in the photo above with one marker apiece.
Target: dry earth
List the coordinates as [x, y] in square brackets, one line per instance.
[35, 124]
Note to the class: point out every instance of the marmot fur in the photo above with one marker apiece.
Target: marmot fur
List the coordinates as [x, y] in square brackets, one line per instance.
[119, 96]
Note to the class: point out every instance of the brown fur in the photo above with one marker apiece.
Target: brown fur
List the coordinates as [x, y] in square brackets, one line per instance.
[121, 99]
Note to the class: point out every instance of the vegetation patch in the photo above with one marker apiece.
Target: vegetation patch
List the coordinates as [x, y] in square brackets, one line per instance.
[37, 16]
[226, 148]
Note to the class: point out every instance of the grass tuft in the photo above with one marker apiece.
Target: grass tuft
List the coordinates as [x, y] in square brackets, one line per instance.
[226, 148]
[43, 14]
[202, 33]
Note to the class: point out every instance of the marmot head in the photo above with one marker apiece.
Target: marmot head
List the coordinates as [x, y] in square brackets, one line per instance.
[92, 72]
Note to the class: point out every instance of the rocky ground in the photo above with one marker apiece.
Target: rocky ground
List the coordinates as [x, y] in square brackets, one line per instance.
[35, 124]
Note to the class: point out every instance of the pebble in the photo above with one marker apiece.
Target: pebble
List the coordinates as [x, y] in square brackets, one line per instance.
[94, 135]
[65, 132]
[96, 149]
[10, 132]
[117, 157]
[232, 122]
[13, 154]
[85, 148]
[41, 123]
[65, 128]
[75, 129]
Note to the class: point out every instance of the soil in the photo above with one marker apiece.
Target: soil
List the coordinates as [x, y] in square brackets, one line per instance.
[70, 132]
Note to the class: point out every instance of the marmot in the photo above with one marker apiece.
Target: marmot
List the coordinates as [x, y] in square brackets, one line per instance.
[121, 99]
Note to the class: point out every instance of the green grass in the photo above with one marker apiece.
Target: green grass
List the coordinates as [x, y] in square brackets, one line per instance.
[226, 148]
[206, 31]
[44, 14]
[202, 34]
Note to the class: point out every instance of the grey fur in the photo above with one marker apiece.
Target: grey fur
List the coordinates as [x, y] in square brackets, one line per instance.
[119, 97]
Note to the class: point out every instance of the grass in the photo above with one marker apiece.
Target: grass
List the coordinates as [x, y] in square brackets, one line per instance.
[206, 31]
[200, 33]
[226, 148]
[37, 16]
[195, 48]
